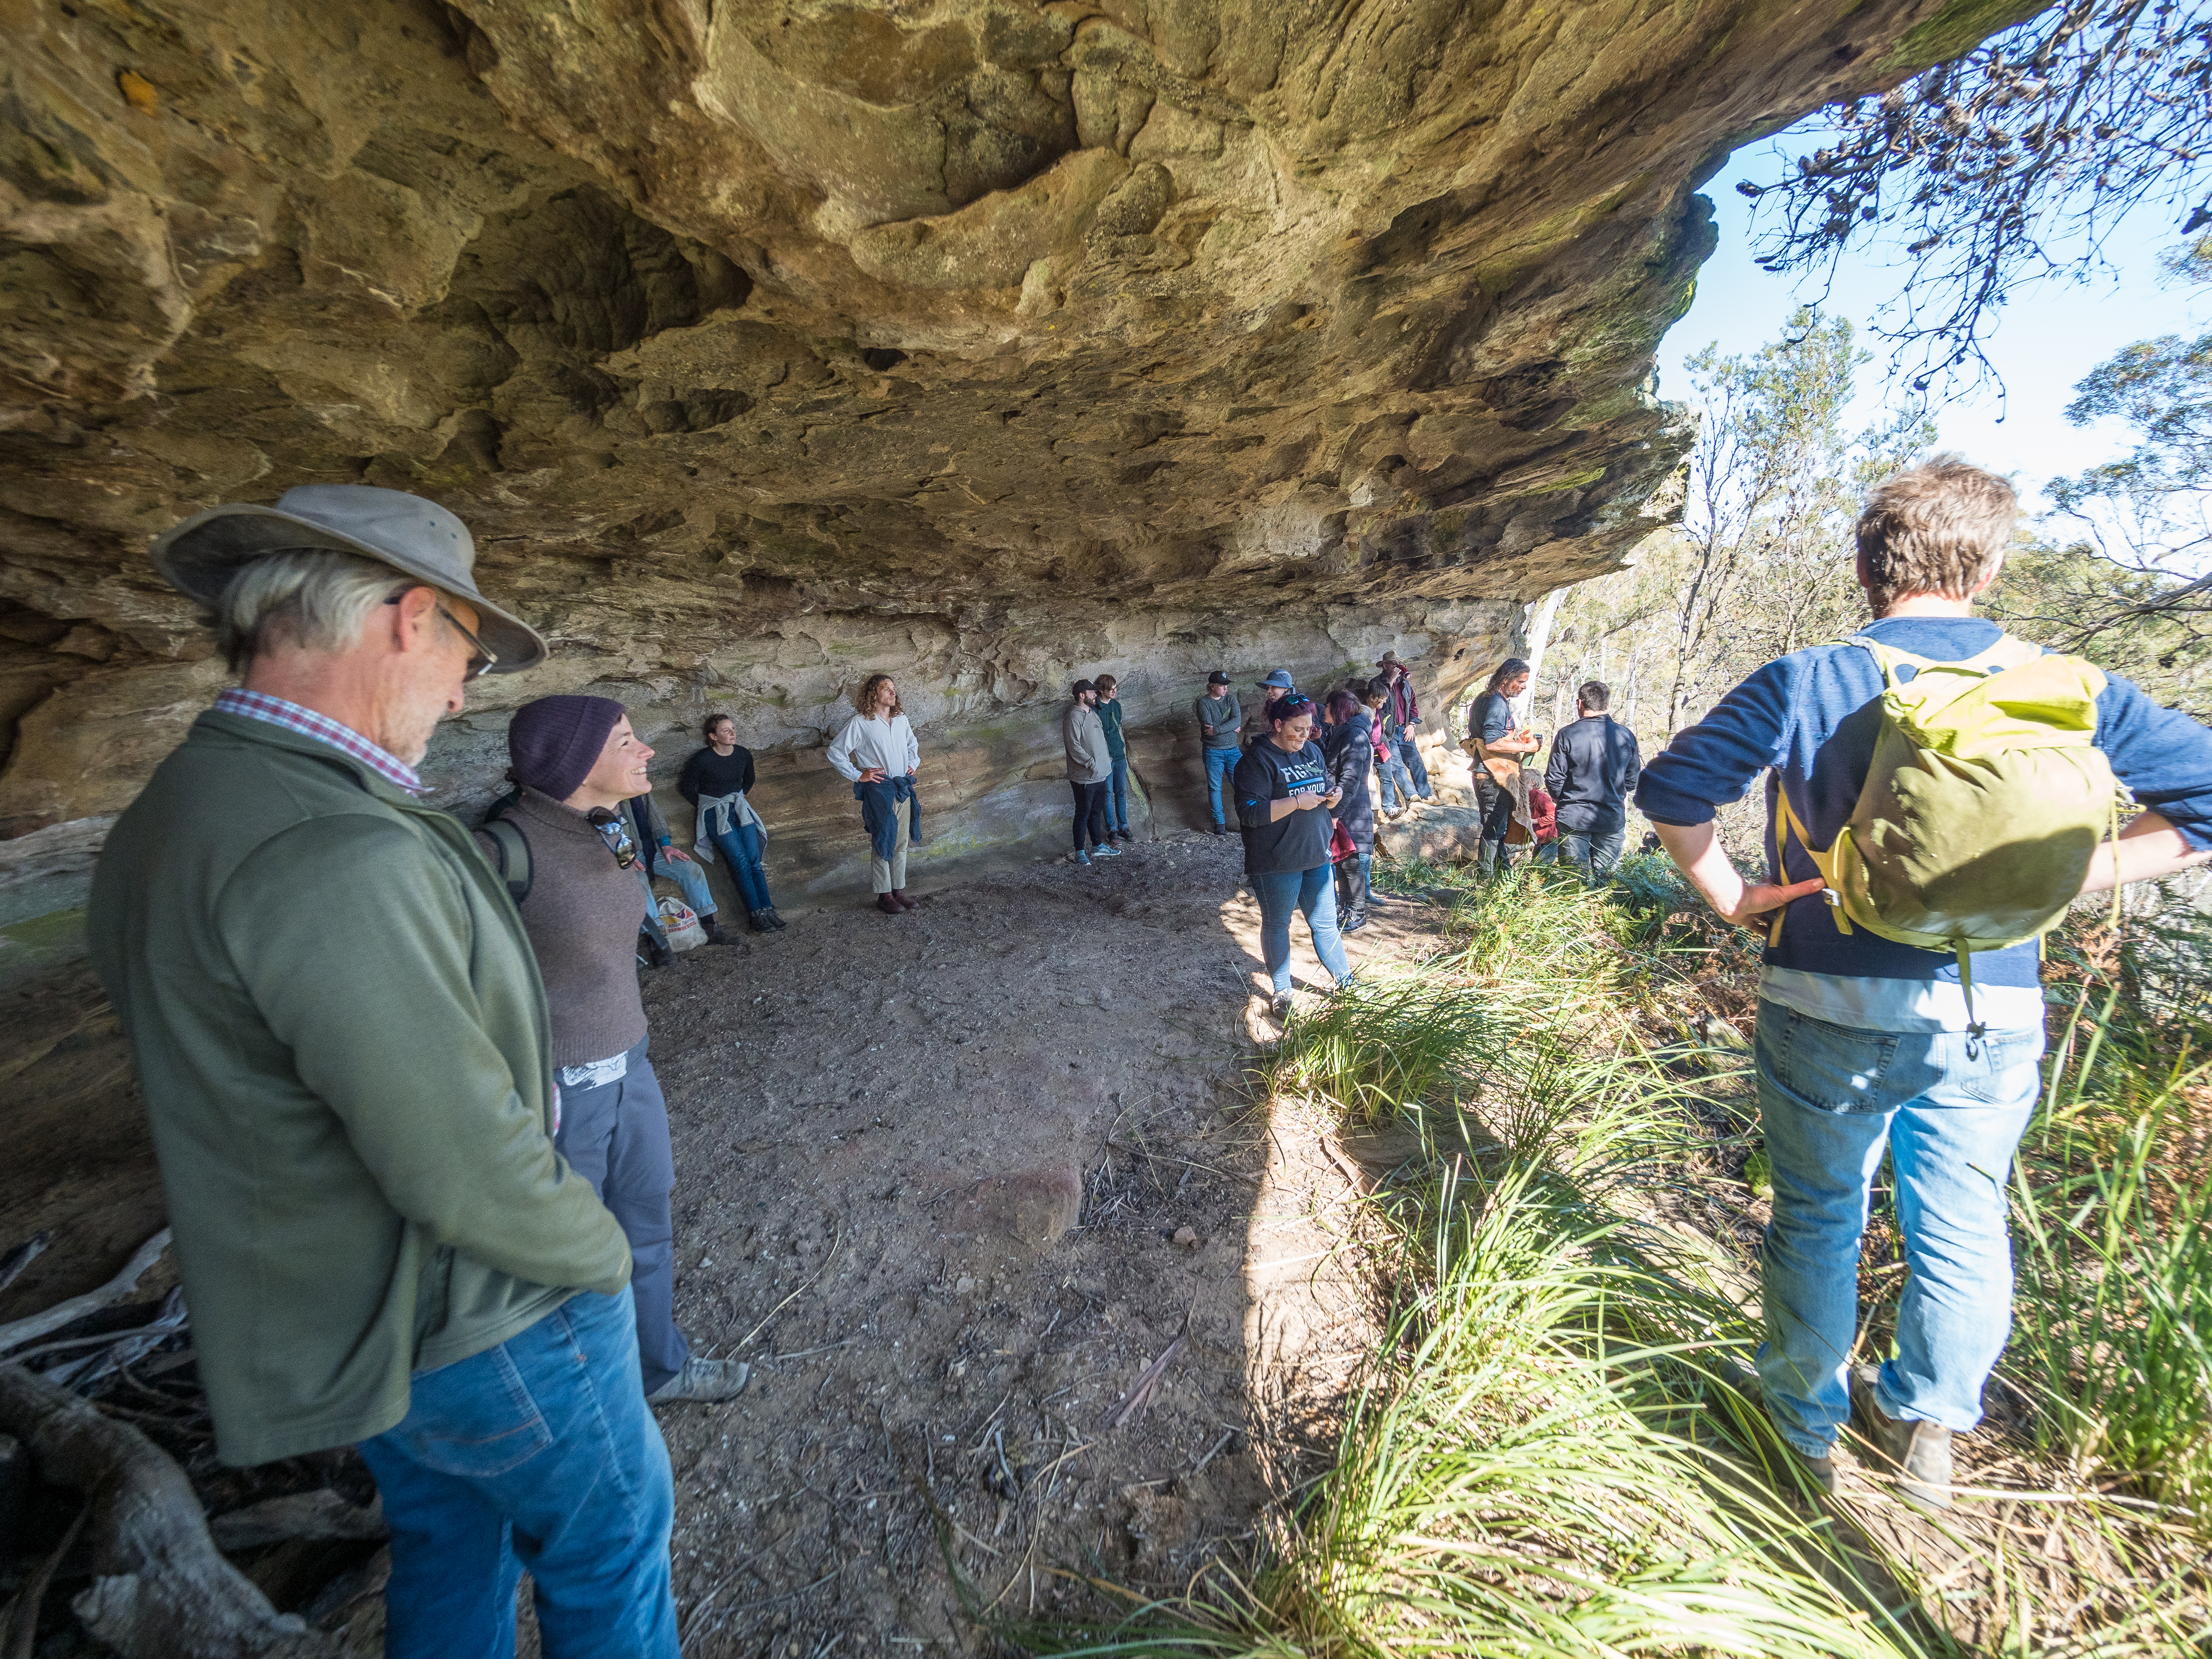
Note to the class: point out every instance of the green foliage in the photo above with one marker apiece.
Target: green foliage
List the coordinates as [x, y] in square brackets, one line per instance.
[1551, 1452]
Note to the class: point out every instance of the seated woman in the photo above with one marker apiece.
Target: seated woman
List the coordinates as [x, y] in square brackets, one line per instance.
[717, 780]
[1283, 802]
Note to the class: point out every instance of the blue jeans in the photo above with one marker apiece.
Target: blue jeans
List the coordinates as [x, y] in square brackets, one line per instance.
[1117, 796]
[616, 1136]
[1950, 1107]
[540, 1453]
[1280, 893]
[687, 875]
[1396, 782]
[1595, 854]
[1219, 763]
[741, 845]
[1409, 758]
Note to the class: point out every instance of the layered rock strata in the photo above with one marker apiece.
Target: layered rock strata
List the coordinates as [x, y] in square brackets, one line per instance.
[766, 343]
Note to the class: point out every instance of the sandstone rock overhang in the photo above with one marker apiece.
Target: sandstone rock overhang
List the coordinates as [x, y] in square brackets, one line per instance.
[766, 342]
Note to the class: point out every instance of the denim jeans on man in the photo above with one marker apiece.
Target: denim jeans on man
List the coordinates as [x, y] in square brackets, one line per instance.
[616, 1136]
[1117, 796]
[1283, 892]
[741, 845]
[1409, 756]
[688, 876]
[538, 1454]
[1395, 781]
[1594, 854]
[1951, 1107]
[1219, 763]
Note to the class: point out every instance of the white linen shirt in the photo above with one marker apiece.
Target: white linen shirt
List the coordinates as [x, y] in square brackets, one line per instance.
[871, 744]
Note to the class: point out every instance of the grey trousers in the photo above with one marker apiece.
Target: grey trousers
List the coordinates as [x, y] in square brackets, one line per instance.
[616, 1136]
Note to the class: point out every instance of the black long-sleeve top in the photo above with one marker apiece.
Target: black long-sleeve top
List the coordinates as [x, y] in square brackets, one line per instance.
[709, 774]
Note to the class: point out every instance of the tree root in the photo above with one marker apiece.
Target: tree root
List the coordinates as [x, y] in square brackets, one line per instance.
[160, 1589]
[16, 1332]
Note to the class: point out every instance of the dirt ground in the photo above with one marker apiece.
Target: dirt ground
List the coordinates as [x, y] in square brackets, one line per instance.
[950, 1183]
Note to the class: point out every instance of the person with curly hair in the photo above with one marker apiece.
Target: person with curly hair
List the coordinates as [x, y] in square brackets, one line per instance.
[877, 753]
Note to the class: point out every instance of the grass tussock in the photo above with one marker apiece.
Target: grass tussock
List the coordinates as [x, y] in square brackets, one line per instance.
[1553, 1452]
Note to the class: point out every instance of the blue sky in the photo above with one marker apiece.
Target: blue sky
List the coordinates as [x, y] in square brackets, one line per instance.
[2045, 340]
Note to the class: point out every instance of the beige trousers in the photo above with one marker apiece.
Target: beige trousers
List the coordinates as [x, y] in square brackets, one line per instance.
[889, 875]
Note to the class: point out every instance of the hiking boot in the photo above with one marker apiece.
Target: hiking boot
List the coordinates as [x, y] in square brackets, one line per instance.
[889, 906]
[1352, 923]
[651, 952]
[1819, 1471]
[1279, 1008]
[905, 902]
[759, 921]
[1083, 859]
[1919, 1452]
[712, 928]
[1106, 850]
[774, 920]
[703, 1380]
[1220, 829]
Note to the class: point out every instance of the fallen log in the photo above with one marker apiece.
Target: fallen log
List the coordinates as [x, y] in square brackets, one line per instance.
[17, 1332]
[160, 1589]
[314, 1515]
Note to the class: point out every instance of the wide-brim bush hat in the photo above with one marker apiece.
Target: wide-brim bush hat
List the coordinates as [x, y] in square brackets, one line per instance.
[1280, 680]
[1390, 660]
[415, 536]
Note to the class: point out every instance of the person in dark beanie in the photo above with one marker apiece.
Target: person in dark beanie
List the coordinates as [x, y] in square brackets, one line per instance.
[1219, 720]
[1089, 766]
[577, 762]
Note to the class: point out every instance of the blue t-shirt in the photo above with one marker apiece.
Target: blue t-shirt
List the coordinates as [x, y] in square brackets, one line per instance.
[1812, 717]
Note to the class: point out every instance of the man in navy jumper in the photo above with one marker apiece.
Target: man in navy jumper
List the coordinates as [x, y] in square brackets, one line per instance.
[1863, 1043]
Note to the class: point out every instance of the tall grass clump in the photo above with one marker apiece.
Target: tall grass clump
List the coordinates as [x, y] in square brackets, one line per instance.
[1551, 1452]
[2113, 1324]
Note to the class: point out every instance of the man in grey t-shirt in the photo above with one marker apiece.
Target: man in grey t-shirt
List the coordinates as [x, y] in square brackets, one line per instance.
[1218, 719]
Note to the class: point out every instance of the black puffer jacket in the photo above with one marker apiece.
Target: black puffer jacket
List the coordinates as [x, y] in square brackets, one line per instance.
[1348, 760]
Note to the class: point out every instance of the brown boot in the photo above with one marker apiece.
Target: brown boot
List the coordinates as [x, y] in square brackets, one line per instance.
[1919, 1452]
[890, 906]
[905, 903]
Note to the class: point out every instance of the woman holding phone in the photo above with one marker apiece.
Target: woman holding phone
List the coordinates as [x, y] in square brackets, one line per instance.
[1283, 804]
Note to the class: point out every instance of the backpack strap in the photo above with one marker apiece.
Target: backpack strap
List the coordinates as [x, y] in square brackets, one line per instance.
[510, 856]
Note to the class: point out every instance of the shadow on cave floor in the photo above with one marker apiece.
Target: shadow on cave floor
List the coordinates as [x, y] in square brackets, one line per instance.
[931, 1174]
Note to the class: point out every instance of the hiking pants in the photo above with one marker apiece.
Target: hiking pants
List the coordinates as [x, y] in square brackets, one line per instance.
[1949, 1107]
[1496, 804]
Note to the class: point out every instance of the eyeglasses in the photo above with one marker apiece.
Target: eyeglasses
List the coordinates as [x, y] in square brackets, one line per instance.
[608, 824]
[483, 662]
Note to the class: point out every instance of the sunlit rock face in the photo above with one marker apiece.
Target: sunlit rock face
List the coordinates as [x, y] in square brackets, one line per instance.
[765, 344]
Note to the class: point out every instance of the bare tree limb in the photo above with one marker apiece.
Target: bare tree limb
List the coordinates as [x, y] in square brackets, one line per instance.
[16, 1332]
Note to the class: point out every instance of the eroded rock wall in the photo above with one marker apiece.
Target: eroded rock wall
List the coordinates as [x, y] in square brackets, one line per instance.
[765, 343]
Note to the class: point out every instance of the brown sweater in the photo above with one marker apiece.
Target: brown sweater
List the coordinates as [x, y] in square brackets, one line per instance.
[582, 916]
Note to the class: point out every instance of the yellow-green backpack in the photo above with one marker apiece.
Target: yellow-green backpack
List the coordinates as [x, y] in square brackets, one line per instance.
[1986, 798]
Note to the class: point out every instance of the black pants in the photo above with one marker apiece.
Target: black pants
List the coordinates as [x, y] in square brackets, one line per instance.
[1350, 888]
[1090, 811]
[1496, 804]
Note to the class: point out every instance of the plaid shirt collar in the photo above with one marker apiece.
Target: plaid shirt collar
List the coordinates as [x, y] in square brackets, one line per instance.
[279, 711]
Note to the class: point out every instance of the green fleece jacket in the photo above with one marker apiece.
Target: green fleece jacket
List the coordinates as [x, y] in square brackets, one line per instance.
[342, 1045]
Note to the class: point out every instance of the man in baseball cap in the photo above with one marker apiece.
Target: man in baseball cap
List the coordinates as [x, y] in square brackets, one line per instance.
[342, 1038]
